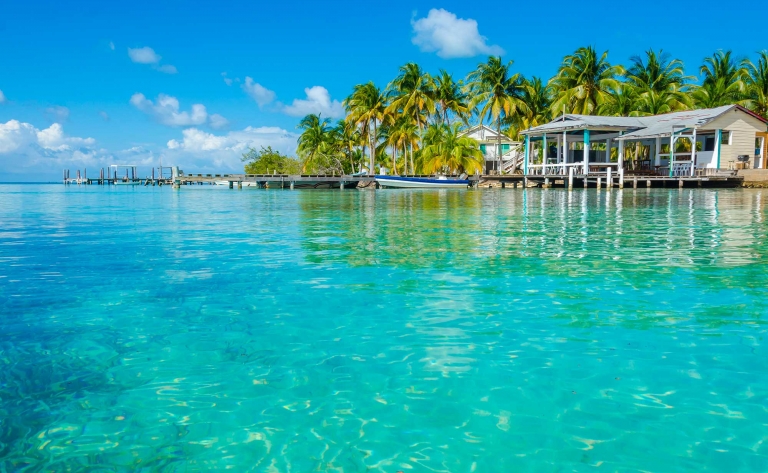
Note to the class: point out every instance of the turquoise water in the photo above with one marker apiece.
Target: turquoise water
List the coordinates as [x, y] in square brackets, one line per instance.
[257, 330]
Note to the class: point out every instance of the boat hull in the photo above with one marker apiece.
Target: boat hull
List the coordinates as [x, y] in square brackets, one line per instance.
[421, 182]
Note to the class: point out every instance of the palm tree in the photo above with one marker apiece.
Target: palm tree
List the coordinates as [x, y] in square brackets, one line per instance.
[412, 94]
[757, 84]
[366, 107]
[449, 150]
[584, 82]
[621, 101]
[348, 136]
[497, 92]
[450, 98]
[313, 139]
[724, 81]
[658, 82]
[537, 109]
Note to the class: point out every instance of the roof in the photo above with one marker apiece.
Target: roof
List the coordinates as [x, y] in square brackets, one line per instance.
[581, 122]
[640, 127]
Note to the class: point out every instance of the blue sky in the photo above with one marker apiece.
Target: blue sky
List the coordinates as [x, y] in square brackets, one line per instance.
[87, 84]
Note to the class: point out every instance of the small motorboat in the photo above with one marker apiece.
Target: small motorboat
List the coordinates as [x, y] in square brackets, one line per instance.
[437, 182]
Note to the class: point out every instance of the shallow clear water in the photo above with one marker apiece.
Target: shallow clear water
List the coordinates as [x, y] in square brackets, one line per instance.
[354, 331]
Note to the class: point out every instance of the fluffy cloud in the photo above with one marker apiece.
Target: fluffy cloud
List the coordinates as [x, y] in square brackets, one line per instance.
[27, 149]
[227, 80]
[2, 96]
[259, 93]
[199, 151]
[147, 55]
[217, 121]
[166, 110]
[318, 101]
[450, 36]
[111, 45]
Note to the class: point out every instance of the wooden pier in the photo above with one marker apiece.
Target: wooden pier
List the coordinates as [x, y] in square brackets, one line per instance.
[607, 181]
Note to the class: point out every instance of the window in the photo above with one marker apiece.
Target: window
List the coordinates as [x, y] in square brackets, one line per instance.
[504, 148]
[482, 149]
[725, 138]
[709, 143]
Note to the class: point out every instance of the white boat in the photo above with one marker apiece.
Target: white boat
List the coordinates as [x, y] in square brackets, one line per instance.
[245, 183]
[439, 182]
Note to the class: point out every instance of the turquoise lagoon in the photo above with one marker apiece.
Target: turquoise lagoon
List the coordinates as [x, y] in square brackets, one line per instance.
[205, 329]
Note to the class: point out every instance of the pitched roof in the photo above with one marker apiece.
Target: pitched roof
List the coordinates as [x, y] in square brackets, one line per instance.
[639, 127]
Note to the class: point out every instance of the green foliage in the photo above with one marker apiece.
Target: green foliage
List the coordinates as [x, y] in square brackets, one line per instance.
[268, 161]
[416, 124]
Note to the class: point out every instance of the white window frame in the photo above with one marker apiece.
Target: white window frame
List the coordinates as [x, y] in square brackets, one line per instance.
[725, 137]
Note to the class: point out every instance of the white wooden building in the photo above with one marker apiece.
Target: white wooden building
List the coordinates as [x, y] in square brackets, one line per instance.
[726, 138]
[511, 151]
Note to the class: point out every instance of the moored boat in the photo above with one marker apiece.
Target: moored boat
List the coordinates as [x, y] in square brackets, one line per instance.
[438, 182]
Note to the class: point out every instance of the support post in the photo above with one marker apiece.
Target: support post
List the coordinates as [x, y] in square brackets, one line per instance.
[608, 150]
[239, 184]
[672, 153]
[292, 185]
[621, 178]
[586, 152]
[609, 179]
[693, 152]
[648, 183]
[341, 186]
[634, 182]
[527, 154]
[620, 160]
[230, 185]
[718, 138]
[546, 182]
[544, 153]
[570, 178]
[680, 183]
[599, 182]
[657, 157]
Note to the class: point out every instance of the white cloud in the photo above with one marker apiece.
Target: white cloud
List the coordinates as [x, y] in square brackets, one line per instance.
[167, 68]
[199, 151]
[259, 93]
[166, 110]
[217, 121]
[227, 80]
[450, 36]
[27, 149]
[111, 45]
[318, 101]
[2, 96]
[57, 113]
[104, 115]
[145, 55]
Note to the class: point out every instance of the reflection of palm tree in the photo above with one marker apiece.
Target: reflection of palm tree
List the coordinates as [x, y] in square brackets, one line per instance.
[723, 83]
[497, 91]
[366, 107]
[448, 149]
[757, 84]
[584, 82]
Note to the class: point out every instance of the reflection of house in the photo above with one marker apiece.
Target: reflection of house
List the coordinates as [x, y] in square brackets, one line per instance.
[511, 151]
[726, 137]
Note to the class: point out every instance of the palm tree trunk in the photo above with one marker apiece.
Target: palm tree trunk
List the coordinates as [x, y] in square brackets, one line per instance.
[498, 137]
[373, 148]
[394, 161]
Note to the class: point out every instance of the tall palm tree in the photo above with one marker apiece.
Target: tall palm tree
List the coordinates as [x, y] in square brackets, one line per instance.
[584, 82]
[450, 98]
[449, 150]
[723, 81]
[656, 79]
[366, 108]
[621, 101]
[412, 94]
[757, 84]
[497, 91]
[537, 109]
[348, 136]
[313, 139]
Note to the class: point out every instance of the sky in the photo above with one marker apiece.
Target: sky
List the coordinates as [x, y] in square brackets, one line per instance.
[89, 84]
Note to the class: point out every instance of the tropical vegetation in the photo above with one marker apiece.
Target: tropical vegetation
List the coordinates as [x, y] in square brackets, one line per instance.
[418, 123]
